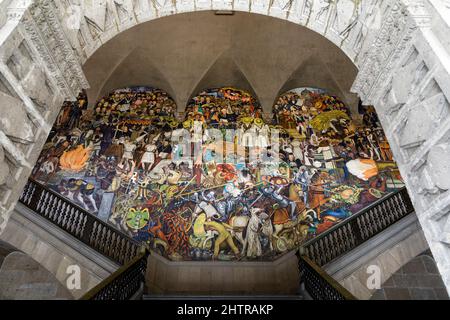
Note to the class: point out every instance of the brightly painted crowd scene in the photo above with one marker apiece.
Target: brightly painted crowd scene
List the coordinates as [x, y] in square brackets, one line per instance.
[218, 182]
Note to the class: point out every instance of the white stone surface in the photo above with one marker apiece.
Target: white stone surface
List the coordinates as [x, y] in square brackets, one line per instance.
[389, 251]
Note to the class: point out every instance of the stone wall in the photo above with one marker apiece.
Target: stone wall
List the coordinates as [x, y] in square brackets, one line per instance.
[419, 279]
[55, 250]
[280, 277]
[22, 278]
[406, 75]
[389, 251]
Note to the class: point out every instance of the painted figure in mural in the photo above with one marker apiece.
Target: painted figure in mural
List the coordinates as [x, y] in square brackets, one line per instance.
[222, 183]
[273, 193]
[303, 179]
[148, 158]
[252, 245]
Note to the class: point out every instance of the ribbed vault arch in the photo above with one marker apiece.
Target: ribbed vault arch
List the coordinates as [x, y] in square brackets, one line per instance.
[185, 53]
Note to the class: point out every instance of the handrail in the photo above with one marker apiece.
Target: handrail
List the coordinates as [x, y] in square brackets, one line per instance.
[124, 283]
[360, 227]
[319, 284]
[315, 253]
[79, 223]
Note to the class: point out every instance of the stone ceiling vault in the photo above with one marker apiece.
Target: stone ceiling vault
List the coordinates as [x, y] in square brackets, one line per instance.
[186, 53]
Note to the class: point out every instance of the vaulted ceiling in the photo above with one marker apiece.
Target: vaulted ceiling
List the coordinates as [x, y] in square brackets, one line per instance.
[186, 53]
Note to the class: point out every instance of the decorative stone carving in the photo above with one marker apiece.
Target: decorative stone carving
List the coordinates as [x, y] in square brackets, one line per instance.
[4, 169]
[439, 165]
[95, 12]
[422, 121]
[346, 16]
[403, 82]
[14, 121]
[392, 39]
[36, 85]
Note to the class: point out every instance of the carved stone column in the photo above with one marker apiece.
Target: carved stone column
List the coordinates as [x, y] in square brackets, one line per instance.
[38, 72]
[406, 76]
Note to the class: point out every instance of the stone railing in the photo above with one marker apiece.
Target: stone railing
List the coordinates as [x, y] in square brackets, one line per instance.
[79, 223]
[318, 284]
[124, 284]
[359, 228]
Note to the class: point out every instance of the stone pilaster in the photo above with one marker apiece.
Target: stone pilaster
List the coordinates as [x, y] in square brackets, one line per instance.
[406, 75]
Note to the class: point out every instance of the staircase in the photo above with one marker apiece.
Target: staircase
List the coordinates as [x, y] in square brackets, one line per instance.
[23, 278]
[129, 281]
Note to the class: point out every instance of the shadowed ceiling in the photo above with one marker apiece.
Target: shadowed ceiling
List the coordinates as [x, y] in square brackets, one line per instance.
[186, 53]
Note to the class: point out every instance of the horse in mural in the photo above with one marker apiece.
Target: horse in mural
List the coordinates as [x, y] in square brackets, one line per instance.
[317, 191]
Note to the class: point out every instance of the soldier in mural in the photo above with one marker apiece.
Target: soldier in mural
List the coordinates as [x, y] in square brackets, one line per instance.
[222, 184]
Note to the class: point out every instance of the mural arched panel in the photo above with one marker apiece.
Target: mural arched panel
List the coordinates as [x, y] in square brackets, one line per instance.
[222, 183]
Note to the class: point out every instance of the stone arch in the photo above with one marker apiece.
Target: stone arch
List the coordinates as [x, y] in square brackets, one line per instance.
[97, 22]
[280, 50]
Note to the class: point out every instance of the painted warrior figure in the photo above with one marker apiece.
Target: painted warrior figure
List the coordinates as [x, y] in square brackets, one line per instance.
[303, 178]
[283, 202]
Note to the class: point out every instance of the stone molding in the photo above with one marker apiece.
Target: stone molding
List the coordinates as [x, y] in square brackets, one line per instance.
[42, 27]
[411, 93]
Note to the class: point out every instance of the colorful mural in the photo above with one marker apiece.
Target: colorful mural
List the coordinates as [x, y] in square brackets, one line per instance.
[221, 184]
[221, 107]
